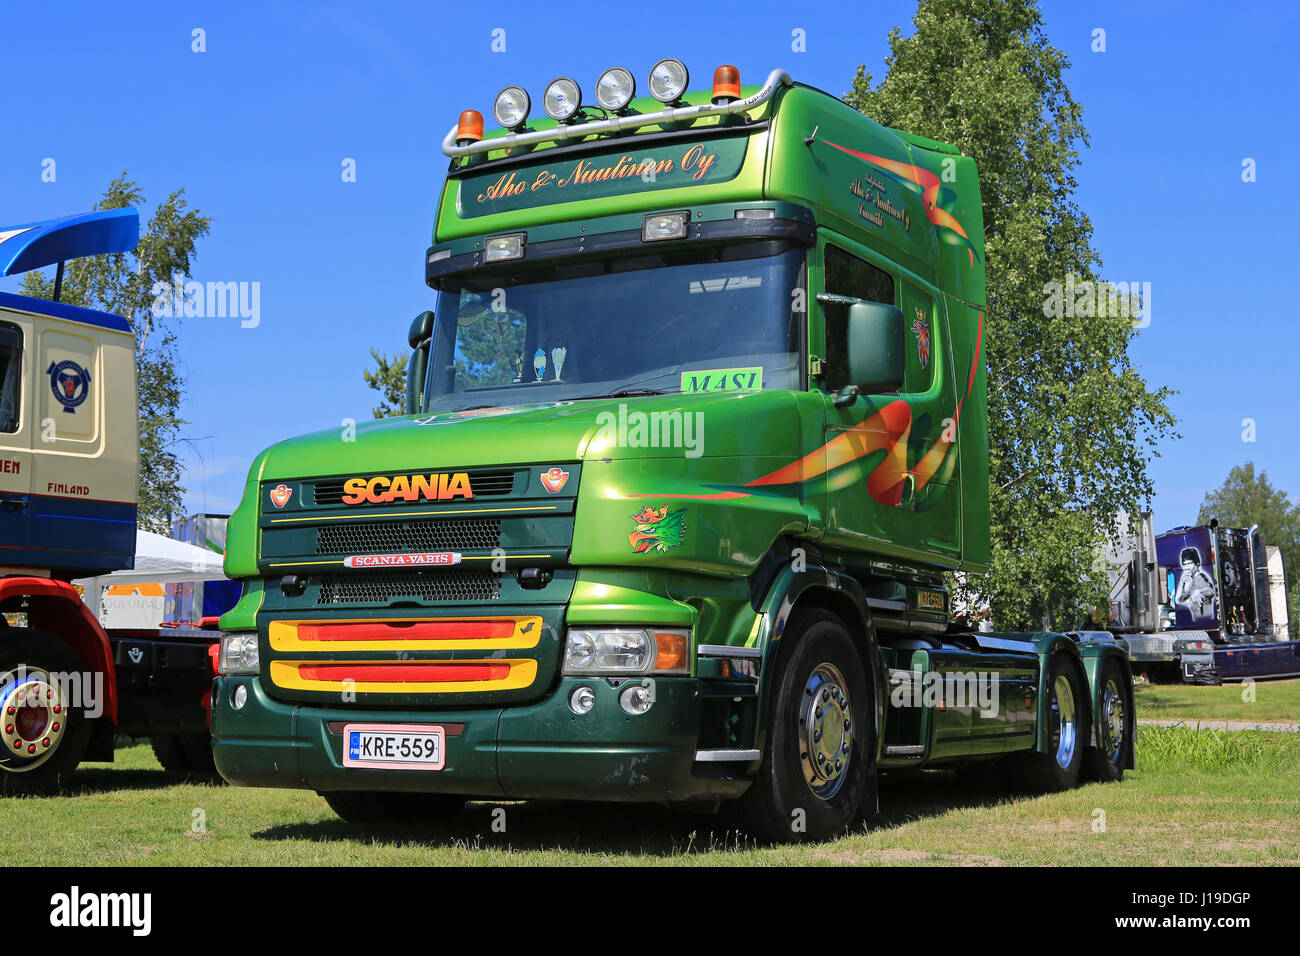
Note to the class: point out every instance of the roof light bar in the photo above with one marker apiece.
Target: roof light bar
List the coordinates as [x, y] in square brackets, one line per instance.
[671, 114]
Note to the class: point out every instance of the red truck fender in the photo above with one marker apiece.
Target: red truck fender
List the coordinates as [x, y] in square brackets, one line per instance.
[56, 608]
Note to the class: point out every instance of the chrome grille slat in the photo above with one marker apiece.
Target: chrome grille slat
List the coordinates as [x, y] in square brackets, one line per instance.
[380, 587]
[397, 537]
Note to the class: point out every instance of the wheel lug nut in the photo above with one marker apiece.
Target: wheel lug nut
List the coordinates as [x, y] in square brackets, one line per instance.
[817, 736]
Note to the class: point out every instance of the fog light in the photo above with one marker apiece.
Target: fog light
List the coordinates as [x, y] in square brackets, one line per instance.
[239, 698]
[638, 698]
[504, 247]
[664, 225]
[582, 700]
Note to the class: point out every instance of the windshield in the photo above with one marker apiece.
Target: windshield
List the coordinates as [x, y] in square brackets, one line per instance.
[662, 322]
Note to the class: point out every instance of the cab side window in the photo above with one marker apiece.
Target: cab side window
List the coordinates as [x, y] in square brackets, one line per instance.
[846, 274]
[11, 368]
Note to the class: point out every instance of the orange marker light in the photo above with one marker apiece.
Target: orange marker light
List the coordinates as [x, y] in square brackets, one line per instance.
[726, 84]
[470, 127]
[672, 652]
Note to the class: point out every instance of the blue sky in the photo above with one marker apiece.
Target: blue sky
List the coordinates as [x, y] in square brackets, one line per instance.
[257, 127]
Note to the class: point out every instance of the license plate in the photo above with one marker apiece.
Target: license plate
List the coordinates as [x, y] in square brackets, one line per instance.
[388, 746]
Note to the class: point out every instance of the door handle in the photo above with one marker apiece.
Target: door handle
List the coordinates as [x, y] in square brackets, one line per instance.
[13, 502]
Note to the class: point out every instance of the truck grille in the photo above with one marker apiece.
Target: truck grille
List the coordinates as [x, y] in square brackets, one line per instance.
[452, 534]
[380, 587]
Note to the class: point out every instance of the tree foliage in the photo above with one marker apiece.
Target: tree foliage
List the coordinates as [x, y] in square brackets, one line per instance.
[1072, 423]
[1246, 498]
[123, 283]
[388, 378]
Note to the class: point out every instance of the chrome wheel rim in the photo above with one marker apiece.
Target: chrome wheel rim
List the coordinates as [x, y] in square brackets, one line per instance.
[1064, 721]
[33, 719]
[825, 731]
[1112, 721]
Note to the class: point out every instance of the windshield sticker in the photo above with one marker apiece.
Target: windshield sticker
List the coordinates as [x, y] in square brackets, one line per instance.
[657, 530]
[723, 380]
[537, 184]
[557, 359]
[539, 363]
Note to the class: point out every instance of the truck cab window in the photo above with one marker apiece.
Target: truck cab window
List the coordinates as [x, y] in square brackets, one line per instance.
[846, 274]
[11, 367]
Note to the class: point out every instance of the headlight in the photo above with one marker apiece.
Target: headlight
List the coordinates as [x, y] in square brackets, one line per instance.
[668, 80]
[562, 99]
[615, 89]
[239, 654]
[511, 107]
[627, 650]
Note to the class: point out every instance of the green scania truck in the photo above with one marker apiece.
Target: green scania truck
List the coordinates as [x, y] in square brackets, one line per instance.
[694, 430]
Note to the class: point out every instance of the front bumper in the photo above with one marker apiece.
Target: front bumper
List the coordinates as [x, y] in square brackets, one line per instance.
[535, 751]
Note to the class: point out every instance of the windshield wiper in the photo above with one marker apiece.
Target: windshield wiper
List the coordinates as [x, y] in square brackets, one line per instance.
[626, 393]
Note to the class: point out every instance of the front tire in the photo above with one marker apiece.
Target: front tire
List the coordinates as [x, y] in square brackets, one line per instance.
[816, 763]
[43, 733]
[356, 806]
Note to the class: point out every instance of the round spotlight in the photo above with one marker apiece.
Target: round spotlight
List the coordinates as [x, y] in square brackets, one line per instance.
[240, 697]
[562, 99]
[582, 700]
[615, 89]
[668, 80]
[511, 107]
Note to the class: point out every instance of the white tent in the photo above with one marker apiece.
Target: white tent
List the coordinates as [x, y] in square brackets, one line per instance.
[158, 560]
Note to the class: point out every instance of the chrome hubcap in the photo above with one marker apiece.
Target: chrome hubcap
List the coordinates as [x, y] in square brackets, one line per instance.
[1112, 721]
[825, 731]
[32, 719]
[1064, 721]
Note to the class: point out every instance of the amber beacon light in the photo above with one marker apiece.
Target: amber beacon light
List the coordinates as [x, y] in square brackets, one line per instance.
[470, 127]
[726, 84]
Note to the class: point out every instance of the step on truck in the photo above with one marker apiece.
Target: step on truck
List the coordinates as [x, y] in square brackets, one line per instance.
[693, 431]
[1203, 604]
[68, 493]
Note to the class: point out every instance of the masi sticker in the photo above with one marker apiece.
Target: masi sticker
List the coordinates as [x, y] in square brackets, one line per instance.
[723, 380]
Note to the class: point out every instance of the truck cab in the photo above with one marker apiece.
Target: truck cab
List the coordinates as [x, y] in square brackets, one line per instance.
[694, 427]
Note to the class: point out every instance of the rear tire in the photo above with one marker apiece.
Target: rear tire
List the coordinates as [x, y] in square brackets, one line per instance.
[1065, 710]
[1114, 726]
[357, 806]
[819, 739]
[42, 742]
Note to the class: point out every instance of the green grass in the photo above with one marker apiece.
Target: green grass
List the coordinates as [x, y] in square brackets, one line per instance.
[1232, 800]
[1275, 701]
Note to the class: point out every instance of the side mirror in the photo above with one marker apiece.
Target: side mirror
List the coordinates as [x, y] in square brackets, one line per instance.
[876, 362]
[419, 338]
